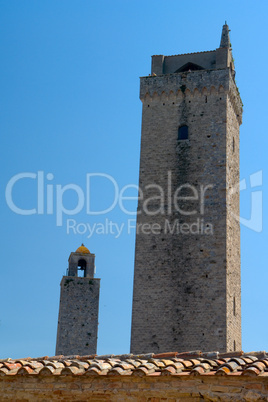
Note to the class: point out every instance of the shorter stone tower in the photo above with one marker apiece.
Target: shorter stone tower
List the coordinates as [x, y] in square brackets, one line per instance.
[79, 306]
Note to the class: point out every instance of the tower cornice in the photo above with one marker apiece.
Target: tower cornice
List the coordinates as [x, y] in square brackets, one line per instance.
[192, 83]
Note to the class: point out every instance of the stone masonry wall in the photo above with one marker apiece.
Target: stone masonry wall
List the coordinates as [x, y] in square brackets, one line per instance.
[130, 388]
[233, 232]
[182, 299]
[78, 316]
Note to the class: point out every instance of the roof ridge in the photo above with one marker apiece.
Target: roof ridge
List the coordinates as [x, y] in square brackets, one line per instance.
[185, 54]
[145, 356]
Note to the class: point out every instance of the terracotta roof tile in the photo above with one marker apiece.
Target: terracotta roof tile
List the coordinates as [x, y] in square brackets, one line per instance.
[95, 371]
[162, 364]
[11, 366]
[165, 355]
[3, 371]
[169, 370]
[26, 370]
[47, 371]
[119, 371]
[55, 365]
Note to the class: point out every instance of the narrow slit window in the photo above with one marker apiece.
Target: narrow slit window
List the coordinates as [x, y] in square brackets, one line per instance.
[183, 133]
[234, 306]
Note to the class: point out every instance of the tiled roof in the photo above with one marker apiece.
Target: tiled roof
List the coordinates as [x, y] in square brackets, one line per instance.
[164, 364]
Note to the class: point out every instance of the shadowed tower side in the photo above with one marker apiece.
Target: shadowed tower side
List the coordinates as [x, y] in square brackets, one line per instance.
[79, 306]
[187, 285]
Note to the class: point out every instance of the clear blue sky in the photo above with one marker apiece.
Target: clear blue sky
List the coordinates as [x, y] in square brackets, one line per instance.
[69, 81]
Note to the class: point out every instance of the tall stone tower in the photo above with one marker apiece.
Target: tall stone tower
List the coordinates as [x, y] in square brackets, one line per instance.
[79, 306]
[187, 259]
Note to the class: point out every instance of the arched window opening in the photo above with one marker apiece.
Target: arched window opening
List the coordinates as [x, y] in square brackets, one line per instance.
[234, 346]
[81, 268]
[183, 133]
[189, 67]
[233, 144]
